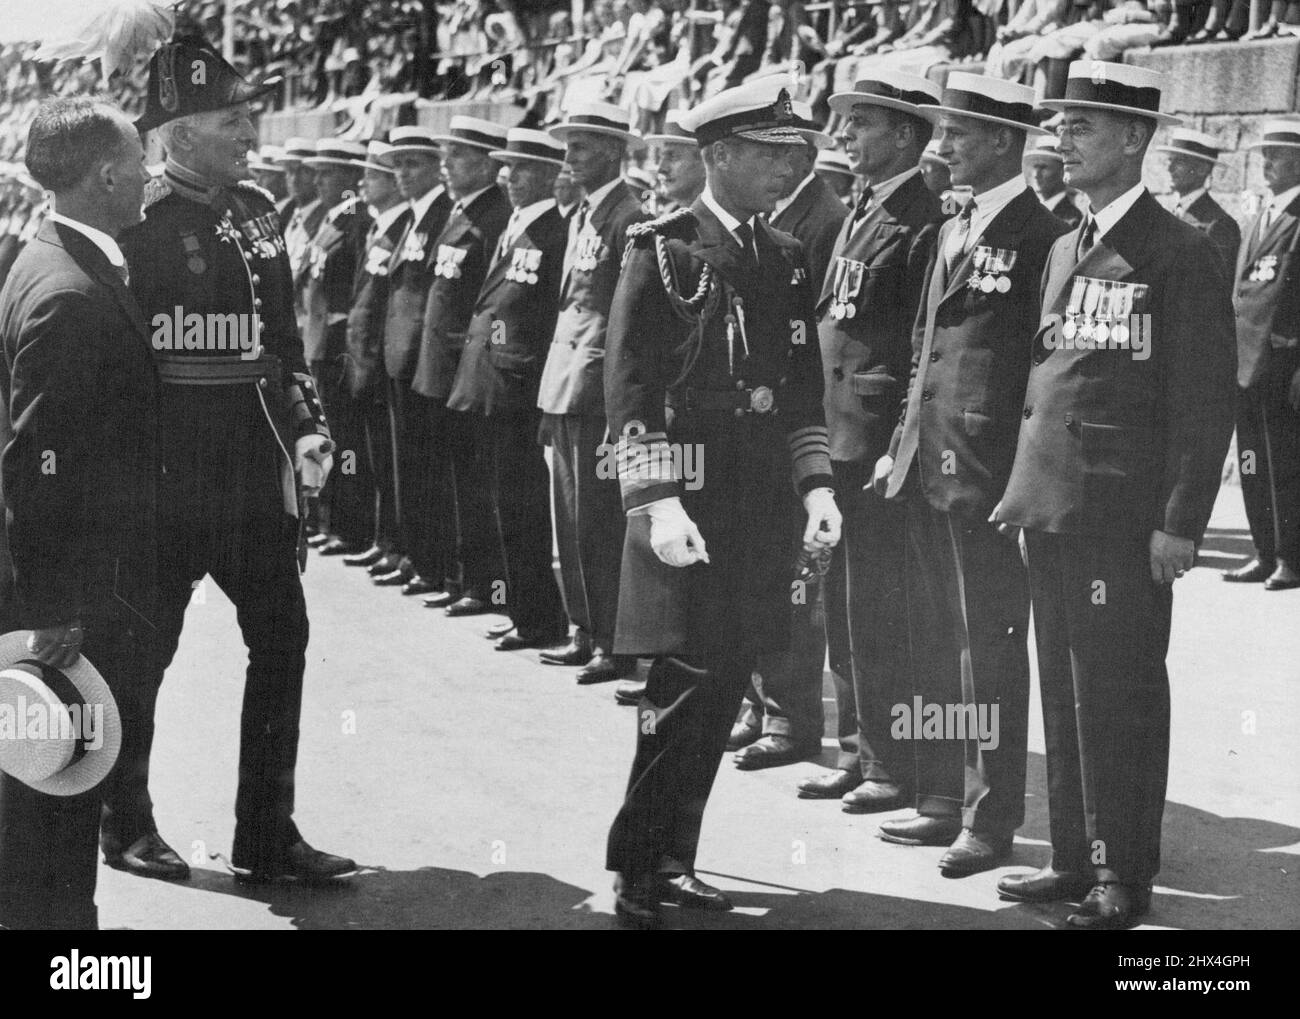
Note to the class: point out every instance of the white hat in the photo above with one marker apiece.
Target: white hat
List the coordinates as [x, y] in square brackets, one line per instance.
[810, 130]
[525, 144]
[895, 90]
[833, 161]
[1183, 141]
[297, 149]
[598, 118]
[80, 735]
[1282, 133]
[337, 152]
[993, 100]
[673, 133]
[268, 159]
[376, 151]
[481, 134]
[413, 139]
[1043, 147]
[759, 111]
[1122, 88]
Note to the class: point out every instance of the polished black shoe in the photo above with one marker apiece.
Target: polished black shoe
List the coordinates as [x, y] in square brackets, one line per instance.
[418, 585]
[498, 630]
[689, 891]
[440, 600]
[301, 865]
[147, 856]
[635, 903]
[397, 578]
[1253, 572]
[829, 785]
[575, 653]
[872, 797]
[468, 606]
[603, 668]
[385, 565]
[369, 557]
[1111, 906]
[1046, 885]
[772, 751]
[317, 539]
[336, 546]
[629, 691]
[1284, 578]
[520, 640]
[921, 831]
[972, 853]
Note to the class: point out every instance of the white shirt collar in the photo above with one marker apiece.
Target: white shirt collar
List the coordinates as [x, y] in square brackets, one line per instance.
[993, 201]
[1056, 199]
[1280, 202]
[385, 219]
[1110, 215]
[729, 222]
[420, 206]
[522, 219]
[469, 199]
[101, 240]
[881, 191]
[1186, 201]
[785, 203]
[596, 197]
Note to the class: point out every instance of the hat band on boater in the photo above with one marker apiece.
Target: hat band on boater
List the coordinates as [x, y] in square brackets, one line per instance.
[66, 691]
[472, 137]
[961, 101]
[886, 91]
[1280, 138]
[1112, 93]
[534, 149]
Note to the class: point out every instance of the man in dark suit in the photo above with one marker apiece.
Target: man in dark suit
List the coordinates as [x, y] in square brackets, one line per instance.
[417, 160]
[460, 560]
[300, 182]
[1267, 301]
[967, 590]
[782, 719]
[1193, 156]
[367, 383]
[497, 378]
[1126, 422]
[588, 521]
[866, 312]
[723, 337]
[1045, 173]
[81, 467]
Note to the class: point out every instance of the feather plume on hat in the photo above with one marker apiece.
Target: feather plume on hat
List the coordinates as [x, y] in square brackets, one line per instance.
[116, 32]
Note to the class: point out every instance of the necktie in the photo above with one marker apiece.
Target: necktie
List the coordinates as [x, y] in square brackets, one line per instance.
[580, 219]
[745, 234]
[1266, 219]
[1087, 237]
[860, 210]
[508, 234]
[956, 247]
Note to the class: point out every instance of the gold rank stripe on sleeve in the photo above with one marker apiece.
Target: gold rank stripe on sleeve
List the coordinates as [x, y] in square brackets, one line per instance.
[810, 454]
[646, 467]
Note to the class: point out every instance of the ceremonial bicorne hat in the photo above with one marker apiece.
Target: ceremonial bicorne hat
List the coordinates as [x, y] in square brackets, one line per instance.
[1120, 88]
[186, 75]
[523, 143]
[759, 111]
[992, 100]
[60, 729]
[895, 90]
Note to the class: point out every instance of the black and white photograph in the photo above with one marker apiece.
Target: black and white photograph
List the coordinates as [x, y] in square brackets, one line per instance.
[716, 465]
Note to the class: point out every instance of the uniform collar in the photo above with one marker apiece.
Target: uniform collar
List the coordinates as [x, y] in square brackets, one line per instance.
[729, 222]
[101, 240]
[188, 184]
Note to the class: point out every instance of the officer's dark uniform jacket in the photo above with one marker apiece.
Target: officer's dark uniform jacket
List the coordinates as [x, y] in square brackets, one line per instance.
[410, 274]
[462, 252]
[365, 325]
[749, 397]
[331, 273]
[218, 251]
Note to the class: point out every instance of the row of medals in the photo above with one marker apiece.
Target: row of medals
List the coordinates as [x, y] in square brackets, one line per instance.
[991, 268]
[849, 273]
[448, 261]
[1098, 310]
[524, 264]
[588, 252]
[1265, 270]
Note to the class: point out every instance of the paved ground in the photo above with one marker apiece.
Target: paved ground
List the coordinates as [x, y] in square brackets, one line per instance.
[477, 787]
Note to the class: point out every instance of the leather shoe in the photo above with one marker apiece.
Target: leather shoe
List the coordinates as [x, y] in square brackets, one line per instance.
[1045, 885]
[301, 864]
[369, 557]
[921, 831]
[635, 904]
[336, 546]
[871, 797]
[519, 641]
[385, 565]
[689, 891]
[603, 668]
[317, 539]
[772, 751]
[419, 585]
[498, 630]
[1252, 573]
[742, 735]
[829, 785]
[1111, 906]
[466, 606]
[972, 853]
[1283, 578]
[629, 691]
[148, 856]
[397, 578]
[575, 653]
[439, 601]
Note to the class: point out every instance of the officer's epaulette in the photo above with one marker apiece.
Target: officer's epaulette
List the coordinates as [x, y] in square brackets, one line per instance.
[671, 222]
[156, 190]
[257, 189]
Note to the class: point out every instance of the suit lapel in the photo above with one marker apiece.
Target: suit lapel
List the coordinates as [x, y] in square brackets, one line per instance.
[1120, 252]
[878, 228]
[1003, 231]
[95, 264]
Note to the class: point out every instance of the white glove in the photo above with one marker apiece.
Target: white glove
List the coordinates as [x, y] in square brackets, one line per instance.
[312, 459]
[823, 530]
[673, 535]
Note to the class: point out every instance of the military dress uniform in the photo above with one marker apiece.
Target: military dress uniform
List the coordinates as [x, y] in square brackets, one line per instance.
[230, 419]
[731, 355]
[463, 544]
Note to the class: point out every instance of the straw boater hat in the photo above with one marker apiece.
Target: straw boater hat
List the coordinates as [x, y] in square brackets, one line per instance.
[833, 161]
[895, 90]
[598, 118]
[375, 153]
[992, 100]
[1042, 147]
[809, 128]
[1280, 133]
[1120, 88]
[756, 111]
[337, 152]
[66, 759]
[475, 132]
[522, 144]
[413, 139]
[296, 150]
[1197, 144]
[673, 133]
[267, 159]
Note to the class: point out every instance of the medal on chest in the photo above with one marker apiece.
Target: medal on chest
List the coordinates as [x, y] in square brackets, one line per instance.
[1264, 270]
[991, 268]
[263, 236]
[847, 285]
[194, 260]
[377, 260]
[590, 252]
[413, 247]
[524, 264]
[447, 264]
